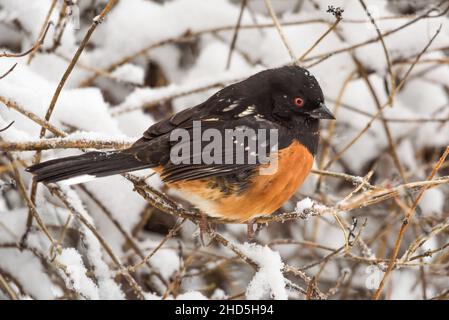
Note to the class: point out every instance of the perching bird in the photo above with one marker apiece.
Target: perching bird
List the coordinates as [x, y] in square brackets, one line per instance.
[287, 100]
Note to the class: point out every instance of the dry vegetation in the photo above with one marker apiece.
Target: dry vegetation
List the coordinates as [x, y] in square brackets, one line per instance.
[380, 231]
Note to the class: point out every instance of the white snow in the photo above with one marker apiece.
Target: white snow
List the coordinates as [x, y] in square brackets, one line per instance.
[166, 262]
[28, 270]
[130, 72]
[303, 205]
[108, 288]
[268, 282]
[432, 202]
[77, 278]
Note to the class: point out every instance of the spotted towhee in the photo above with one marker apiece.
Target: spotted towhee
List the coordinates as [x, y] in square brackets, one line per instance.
[286, 100]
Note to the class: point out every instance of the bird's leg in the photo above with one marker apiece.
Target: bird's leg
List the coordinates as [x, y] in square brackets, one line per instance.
[250, 230]
[204, 227]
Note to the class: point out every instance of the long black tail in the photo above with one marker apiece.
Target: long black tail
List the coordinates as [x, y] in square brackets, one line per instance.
[96, 164]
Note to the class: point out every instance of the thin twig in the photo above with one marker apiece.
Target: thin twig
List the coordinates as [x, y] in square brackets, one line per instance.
[328, 31]
[30, 204]
[236, 33]
[9, 71]
[379, 112]
[169, 235]
[279, 29]
[30, 115]
[97, 20]
[34, 48]
[55, 190]
[7, 288]
[384, 46]
[404, 227]
[63, 143]
[43, 28]
[7, 127]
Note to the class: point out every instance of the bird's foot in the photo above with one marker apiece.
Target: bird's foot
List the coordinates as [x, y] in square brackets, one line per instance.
[250, 230]
[205, 229]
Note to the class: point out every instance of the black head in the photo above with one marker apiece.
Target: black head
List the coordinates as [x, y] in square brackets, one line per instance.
[296, 93]
[289, 95]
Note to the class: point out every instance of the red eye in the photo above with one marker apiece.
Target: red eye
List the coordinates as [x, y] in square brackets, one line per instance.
[299, 102]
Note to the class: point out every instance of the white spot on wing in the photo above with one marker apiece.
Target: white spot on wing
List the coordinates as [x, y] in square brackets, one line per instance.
[242, 128]
[231, 107]
[248, 111]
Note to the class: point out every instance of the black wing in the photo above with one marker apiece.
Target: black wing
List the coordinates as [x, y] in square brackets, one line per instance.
[224, 110]
[237, 153]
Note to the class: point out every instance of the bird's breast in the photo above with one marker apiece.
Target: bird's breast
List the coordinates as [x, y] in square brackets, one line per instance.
[268, 189]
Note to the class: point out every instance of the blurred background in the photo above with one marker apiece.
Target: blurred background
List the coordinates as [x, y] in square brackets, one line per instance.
[384, 70]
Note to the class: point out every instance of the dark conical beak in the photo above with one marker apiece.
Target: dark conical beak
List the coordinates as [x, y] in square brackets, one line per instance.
[322, 112]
